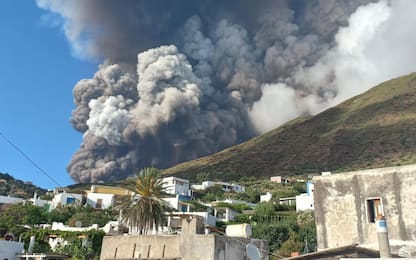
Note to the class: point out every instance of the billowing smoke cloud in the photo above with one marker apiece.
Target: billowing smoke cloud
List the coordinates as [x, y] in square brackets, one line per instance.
[180, 80]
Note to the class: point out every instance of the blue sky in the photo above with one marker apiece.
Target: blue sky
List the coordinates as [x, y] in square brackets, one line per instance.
[38, 73]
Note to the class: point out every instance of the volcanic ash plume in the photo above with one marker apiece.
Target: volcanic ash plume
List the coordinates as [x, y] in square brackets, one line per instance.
[180, 80]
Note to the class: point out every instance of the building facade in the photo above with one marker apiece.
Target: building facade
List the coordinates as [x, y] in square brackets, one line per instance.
[224, 185]
[100, 200]
[64, 198]
[305, 201]
[348, 204]
[279, 179]
[174, 185]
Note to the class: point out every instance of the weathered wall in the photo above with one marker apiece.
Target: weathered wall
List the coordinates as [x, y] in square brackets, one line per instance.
[340, 205]
[189, 245]
[140, 246]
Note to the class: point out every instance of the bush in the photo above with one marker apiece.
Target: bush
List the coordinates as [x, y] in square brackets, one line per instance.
[275, 234]
[293, 244]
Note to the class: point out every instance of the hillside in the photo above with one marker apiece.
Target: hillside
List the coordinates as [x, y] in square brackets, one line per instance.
[374, 129]
[17, 188]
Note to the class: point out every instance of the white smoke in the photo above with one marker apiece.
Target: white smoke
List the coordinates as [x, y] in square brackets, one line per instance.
[108, 118]
[278, 102]
[373, 48]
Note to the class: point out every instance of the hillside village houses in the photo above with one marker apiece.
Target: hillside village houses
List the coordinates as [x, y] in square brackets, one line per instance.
[353, 199]
[103, 197]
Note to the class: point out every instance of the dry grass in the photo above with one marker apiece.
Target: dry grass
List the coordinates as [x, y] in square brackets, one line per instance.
[373, 129]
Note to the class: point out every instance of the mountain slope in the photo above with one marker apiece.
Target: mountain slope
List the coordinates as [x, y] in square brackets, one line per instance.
[374, 129]
[17, 188]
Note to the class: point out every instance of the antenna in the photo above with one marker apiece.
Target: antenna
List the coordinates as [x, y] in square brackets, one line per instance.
[253, 253]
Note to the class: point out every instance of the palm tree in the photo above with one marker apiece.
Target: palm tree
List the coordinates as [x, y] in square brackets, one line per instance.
[145, 209]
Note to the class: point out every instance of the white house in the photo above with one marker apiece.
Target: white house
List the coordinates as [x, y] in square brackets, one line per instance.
[174, 185]
[266, 197]
[225, 214]
[36, 201]
[279, 179]
[100, 200]
[225, 186]
[304, 201]
[66, 199]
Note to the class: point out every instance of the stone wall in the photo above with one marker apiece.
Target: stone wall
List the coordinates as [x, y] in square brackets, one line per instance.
[341, 207]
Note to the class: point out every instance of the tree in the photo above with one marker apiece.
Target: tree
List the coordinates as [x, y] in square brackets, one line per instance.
[145, 209]
[15, 216]
[275, 234]
[293, 244]
[213, 193]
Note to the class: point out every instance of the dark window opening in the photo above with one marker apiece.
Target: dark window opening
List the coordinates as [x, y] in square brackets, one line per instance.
[99, 204]
[374, 209]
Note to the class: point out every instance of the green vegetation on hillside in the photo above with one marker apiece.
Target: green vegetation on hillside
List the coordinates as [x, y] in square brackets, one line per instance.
[374, 129]
[22, 220]
[17, 188]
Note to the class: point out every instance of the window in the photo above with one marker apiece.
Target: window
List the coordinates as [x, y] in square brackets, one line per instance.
[70, 200]
[374, 209]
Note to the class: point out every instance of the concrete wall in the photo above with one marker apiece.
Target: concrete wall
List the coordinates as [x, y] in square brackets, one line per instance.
[62, 227]
[341, 210]
[8, 249]
[189, 245]
[204, 247]
[9, 200]
[140, 247]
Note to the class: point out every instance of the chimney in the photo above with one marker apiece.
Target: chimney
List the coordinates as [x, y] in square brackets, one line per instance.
[383, 238]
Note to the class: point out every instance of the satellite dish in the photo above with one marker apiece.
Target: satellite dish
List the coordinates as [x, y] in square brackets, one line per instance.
[253, 253]
[9, 237]
[78, 224]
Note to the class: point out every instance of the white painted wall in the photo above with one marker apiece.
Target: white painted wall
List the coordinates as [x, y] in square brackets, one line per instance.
[62, 227]
[107, 200]
[304, 202]
[9, 200]
[62, 198]
[9, 249]
[266, 197]
[225, 186]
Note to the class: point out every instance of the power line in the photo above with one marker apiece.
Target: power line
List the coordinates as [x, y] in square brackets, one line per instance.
[28, 158]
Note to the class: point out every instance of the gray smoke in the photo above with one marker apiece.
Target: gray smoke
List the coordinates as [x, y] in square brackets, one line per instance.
[183, 79]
